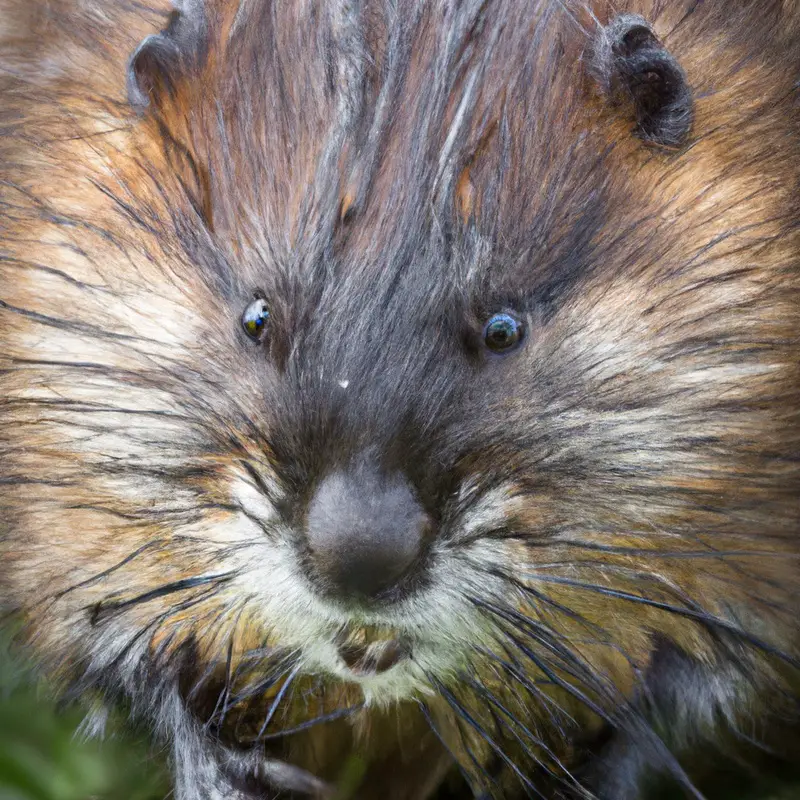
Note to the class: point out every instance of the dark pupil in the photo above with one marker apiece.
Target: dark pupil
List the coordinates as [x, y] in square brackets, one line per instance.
[255, 318]
[501, 333]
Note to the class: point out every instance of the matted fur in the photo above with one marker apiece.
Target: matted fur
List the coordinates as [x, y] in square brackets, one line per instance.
[611, 596]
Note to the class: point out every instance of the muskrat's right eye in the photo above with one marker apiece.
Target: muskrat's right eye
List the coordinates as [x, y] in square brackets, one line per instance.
[503, 333]
[254, 319]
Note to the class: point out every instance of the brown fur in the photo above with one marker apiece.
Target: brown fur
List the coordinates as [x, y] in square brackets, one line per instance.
[667, 461]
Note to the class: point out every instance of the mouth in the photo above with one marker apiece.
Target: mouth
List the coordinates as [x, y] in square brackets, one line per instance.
[371, 650]
[267, 698]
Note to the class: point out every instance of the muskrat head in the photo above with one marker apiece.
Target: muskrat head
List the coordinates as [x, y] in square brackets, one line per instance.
[440, 365]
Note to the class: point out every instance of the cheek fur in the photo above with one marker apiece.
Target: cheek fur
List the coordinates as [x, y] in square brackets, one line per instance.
[609, 598]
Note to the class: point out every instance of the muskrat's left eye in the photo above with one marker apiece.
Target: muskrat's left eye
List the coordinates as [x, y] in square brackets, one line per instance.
[503, 333]
[254, 319]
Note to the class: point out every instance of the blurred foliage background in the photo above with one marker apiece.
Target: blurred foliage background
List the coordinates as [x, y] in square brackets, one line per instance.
[43, 758]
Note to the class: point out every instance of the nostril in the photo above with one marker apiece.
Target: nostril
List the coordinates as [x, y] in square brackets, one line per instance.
[364, 531]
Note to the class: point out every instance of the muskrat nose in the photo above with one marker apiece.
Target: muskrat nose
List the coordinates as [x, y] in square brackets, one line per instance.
[365, 530]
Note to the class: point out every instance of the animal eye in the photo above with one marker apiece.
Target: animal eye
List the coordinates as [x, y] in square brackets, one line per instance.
[503, 333]
[254, 319]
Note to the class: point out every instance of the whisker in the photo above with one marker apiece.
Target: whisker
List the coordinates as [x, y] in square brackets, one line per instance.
[543, 636]
[225, 693]
[105, 609]
[330, 717]
[658, 554]
[515, 722]
[473, 723]
[53, 598]
[281, 667]
[513, 669]
[467, 779]
[560, 682]
[704, 617]
[278, 698]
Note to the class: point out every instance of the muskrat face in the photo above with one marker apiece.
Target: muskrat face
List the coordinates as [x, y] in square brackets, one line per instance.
[418, 384]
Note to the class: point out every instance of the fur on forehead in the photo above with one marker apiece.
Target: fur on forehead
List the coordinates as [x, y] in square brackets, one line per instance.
[309, 168]
[308, 174]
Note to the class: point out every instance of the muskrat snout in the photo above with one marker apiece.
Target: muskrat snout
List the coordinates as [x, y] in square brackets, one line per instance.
[364, 530]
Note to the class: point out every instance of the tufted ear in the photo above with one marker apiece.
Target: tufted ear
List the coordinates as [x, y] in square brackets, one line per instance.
[159, 60]
[632, 66]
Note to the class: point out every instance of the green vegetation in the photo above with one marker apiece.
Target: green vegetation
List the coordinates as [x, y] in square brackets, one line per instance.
[42, 758]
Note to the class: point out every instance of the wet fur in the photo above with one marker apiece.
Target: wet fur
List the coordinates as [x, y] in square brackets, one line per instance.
[611, 601]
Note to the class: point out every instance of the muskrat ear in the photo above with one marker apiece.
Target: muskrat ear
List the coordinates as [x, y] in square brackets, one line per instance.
[157, 62]
[632, 65]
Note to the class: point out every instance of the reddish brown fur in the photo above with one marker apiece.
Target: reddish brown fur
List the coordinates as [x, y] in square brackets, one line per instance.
[698, 246]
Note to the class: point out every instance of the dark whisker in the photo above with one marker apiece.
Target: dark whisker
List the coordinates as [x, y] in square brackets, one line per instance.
[225, 693]
[258, 480]
[539, 662]
[333, 715]
[464, 714]
[511, 668]
[278, 698]
[515, 723]
[280, 668]
[467, 779]
[568, 660]
[155, 543]
[105, 609]
[658, 554]
[704, 617]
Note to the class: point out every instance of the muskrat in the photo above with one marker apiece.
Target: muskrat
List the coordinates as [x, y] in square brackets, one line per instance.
[411, 386]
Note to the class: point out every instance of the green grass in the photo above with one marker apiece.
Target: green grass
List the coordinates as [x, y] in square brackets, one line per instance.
[42, 758]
